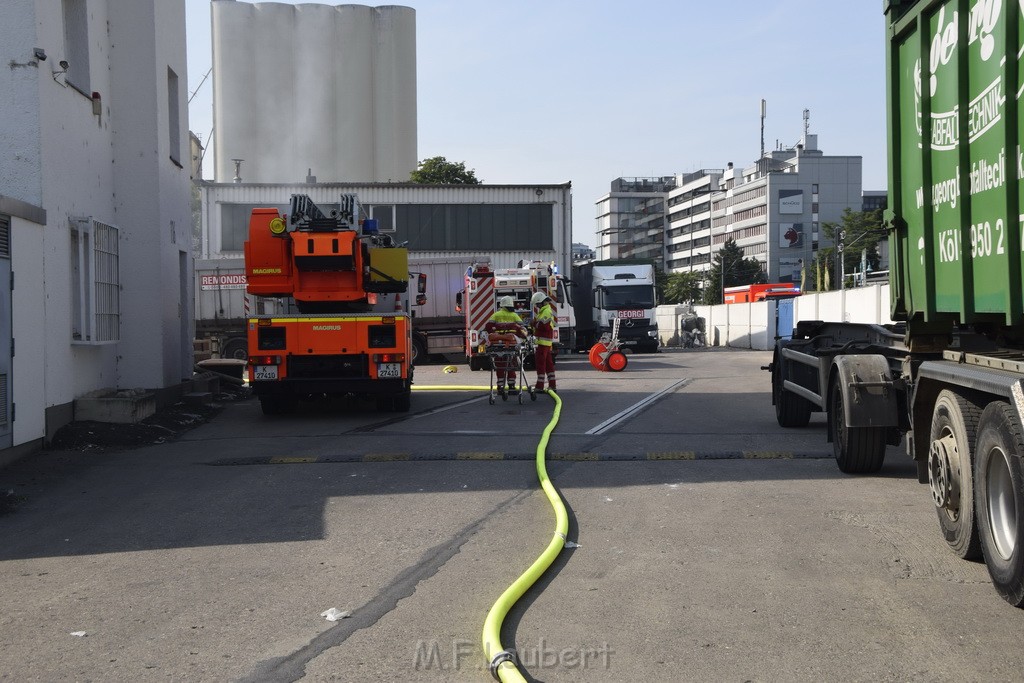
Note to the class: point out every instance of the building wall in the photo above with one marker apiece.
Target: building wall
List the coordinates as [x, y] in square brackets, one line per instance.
[558, 197]
[66, 154]
[331, 89]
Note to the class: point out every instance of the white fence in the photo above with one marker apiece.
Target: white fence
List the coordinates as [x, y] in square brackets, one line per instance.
[752, 326]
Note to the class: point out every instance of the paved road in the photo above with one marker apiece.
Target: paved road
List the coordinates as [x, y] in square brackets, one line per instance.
[713, 545]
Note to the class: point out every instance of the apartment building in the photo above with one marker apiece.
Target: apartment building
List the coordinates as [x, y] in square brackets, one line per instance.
[773, 209]
[631, 219]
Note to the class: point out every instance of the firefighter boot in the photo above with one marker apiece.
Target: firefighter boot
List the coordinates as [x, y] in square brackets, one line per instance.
[551, 386]
[540, 387]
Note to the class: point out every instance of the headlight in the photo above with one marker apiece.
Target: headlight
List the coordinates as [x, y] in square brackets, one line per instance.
[652, 333]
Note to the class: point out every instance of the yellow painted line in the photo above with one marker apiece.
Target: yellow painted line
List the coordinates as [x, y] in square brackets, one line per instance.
[672, 455]
[767, 455]
[577, 457]
[291, 461]
[479, 455]
[385, 457]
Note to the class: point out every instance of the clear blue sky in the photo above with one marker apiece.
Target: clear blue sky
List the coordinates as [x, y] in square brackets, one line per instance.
[548, 91]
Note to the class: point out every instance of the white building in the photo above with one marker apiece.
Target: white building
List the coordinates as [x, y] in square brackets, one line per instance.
[631, 218]
[772, 209]
[94, 207]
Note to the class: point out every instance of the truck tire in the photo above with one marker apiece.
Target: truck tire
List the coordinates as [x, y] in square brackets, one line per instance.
[999, 488]
[950, 476]
[236, 348]
[277, 405]
[419, 350]
[790, 410]
[858, 450]
[403, 401]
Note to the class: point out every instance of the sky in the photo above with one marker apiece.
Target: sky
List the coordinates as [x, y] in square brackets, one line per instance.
[586, 91]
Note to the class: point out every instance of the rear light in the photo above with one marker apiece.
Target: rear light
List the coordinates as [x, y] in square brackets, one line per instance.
[389, 358]
[264, 360]
[264, 322]
[388, 320]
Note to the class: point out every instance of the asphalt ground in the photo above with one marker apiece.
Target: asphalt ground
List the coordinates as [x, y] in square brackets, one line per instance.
[713, 545]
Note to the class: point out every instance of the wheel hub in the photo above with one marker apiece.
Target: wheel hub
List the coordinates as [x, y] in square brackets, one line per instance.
[944, 485]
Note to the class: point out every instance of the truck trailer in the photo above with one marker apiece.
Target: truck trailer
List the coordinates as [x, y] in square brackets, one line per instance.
[947, 379]
[622, 288]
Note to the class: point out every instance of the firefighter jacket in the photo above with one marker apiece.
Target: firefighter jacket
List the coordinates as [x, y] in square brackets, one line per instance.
[503, 322]
[544, 326]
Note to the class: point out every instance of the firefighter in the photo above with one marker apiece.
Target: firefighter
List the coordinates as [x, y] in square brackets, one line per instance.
[544, 336]
[503, 327]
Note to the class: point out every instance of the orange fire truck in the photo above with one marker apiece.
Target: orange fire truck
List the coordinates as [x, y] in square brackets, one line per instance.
[348, 284]
[751, 293]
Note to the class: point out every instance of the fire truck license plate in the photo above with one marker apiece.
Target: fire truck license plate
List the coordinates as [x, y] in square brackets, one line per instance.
[389, 369]
[264, 372]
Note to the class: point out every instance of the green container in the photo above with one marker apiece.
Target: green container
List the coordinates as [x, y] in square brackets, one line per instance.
[954, 86]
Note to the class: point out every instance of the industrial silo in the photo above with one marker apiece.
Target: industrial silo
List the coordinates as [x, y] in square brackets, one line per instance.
[321, 87]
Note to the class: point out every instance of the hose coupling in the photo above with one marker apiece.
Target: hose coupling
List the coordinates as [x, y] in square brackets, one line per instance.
[499, 659]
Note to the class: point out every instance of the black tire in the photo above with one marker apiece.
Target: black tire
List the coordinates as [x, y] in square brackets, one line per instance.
[790, 410]
[402, 402]
[858, 450]
[419, 350]
[999, 488]
[276, 405]
[950, 474]
[237, 349]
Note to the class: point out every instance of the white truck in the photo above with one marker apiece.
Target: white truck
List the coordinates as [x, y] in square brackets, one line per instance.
[222, 306]
[624, 289]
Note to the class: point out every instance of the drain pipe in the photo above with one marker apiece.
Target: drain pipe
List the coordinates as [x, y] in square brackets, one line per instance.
[503, 662]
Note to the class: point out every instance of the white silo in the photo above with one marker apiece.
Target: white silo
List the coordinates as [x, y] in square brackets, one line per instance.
[321, 87]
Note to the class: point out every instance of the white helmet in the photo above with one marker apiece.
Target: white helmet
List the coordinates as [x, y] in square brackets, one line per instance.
[538, 298]
[507, 302]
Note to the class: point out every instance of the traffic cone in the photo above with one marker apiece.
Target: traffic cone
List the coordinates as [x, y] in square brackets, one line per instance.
[398, 303]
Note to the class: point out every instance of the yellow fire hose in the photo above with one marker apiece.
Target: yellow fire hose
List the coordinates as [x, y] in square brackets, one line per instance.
[503, 662]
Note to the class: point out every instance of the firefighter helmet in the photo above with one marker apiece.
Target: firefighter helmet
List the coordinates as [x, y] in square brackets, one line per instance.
[538, 298]
[507, 302]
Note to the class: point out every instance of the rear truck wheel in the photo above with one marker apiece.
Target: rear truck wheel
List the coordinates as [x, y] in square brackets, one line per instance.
[950, 475]
[617, 361]
[401, 403]
[858, 450]
[236, 349]
[595, 355]
[419, 350]
[277, 405]
[790, 410]
[999, 485]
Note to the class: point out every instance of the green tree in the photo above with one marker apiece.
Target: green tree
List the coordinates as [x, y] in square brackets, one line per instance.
[738, 271]
[683, 288]
[440, 171]
[861, 232]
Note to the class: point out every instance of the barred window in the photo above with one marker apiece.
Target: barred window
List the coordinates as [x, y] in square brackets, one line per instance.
[95, 282]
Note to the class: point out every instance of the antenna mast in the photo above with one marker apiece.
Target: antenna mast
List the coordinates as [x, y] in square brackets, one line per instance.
[764, 109]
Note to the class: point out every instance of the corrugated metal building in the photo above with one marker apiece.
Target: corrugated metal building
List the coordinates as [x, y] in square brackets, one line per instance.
[506, 223]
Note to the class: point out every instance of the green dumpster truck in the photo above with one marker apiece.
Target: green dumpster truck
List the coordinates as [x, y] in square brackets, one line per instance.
[947, 380]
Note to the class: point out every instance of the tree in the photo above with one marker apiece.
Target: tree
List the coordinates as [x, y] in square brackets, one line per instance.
[738, 271]
[683, 288]
[861, 232]
[440, 171]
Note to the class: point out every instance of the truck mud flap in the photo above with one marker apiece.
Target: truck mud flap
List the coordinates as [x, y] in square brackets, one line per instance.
[869, 393]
